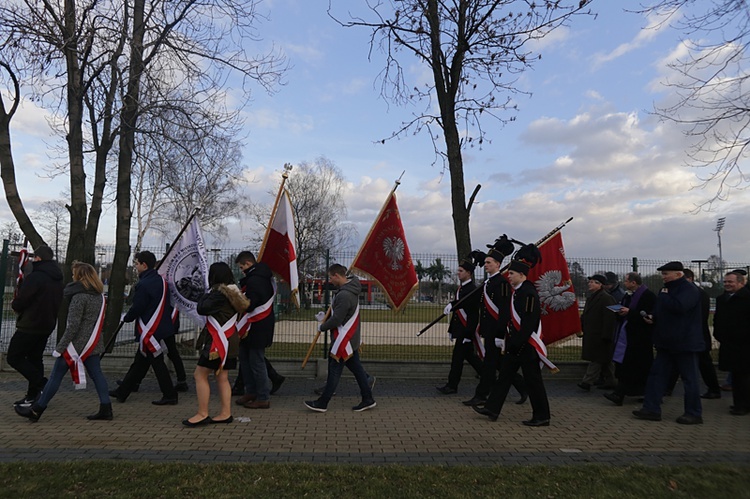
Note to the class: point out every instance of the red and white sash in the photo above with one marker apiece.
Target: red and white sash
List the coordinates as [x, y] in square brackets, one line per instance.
[478, 344]
[535, 340]
[220, 334]
[146, 340]
[491, 308]
[342, 336]
[75, 360]
[258, 314]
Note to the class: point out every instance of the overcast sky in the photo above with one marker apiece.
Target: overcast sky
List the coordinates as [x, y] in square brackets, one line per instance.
[584, 143]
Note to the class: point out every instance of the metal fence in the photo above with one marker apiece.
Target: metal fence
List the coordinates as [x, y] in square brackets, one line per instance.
[386, 335]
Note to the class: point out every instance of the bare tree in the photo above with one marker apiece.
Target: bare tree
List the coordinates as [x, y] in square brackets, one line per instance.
[474, 50]
[709, 97]
[52, 217]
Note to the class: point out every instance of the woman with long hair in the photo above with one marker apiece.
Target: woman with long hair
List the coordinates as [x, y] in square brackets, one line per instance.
[80, 346]
[218, 343]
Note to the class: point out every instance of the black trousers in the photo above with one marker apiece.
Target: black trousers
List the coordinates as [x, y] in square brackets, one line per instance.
[492, 364]
[528, 361]
[138, 370]
[741, 389]
[25, 353]
[174, 356]
[462, 352]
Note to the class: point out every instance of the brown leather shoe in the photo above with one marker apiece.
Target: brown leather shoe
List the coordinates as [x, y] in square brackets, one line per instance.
[245, 399]
[259, 404]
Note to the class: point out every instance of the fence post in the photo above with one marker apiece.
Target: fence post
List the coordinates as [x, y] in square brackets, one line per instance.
[4, 274]
[326, 299]
[635, 264]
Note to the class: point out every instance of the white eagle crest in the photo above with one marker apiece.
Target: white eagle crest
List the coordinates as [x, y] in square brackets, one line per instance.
[394, 247]
[553, 294]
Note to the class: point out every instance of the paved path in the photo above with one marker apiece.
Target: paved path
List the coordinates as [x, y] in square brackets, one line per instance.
[412, 424]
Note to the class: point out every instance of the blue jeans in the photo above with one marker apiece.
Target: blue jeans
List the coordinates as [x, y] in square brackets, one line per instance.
[336, 367]
[60, 369]
[658, 379]
[254, 372]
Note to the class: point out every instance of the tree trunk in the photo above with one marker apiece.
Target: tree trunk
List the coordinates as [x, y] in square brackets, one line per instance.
[129, 116]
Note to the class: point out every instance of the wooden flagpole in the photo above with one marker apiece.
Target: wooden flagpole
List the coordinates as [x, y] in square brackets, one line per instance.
[284, 176]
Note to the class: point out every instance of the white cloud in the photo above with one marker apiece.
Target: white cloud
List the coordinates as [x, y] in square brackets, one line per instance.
[655, 24]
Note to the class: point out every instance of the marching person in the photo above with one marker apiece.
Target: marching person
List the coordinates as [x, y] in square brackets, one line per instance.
[598, 326]
[152, 311]
[344, 324]
[678, 339]
[494, 315]
[732, 331]
[37, 302]
[80, 346]
[522, 344]
[256, 329]
[218, 343]
[463, 326]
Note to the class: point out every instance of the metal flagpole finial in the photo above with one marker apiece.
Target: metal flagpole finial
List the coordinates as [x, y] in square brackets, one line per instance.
[287, 168]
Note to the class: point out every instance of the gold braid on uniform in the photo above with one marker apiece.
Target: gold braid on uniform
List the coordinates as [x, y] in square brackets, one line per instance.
[530, 300]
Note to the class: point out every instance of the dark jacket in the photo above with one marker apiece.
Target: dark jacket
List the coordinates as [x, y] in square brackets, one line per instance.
[527, 306]
[677, 318]
[257, 284]
[497, 291]
[146, 297]
[470, 307]
[39, 299]
[732, 330]
[221, 302]
[639, 353]
[598, 326]
[83, 312]
[343, 306]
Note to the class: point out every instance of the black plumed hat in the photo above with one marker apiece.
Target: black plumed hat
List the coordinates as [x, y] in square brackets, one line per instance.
[525, 258]
[501, 248]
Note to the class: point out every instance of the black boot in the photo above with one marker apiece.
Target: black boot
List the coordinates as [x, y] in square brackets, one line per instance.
[33, 412]
[105, 413]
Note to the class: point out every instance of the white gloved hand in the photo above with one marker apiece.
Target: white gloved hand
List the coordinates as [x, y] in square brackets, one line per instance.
[56, 354]
[447, 309]
[500, 343]
[450, 337]
[320, 316]
[467, 340]
[319, 328]
[122, 317]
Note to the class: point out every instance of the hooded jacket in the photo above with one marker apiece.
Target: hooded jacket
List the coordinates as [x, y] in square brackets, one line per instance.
[344, 303]
[39, 299]
[83, 312]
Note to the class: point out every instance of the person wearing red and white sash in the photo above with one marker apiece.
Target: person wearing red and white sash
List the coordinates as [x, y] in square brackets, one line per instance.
[259, 288]
[153, 313]
[218, 343]
[463, 327]
[344, 324]
[520, 344]
[493, 316]
[80, 346]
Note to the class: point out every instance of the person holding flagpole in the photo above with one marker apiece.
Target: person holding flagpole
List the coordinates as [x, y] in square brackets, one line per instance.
[153, 312]
[344, 324]
[80, 346]
[523, 346]
[255, 328]
[218, 343]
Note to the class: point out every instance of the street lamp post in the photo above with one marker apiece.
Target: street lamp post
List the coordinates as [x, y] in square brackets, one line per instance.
[700, 271]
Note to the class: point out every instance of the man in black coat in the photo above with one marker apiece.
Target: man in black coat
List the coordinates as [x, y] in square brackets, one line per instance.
[258, 286]
[36, 303]
[494, 315]
[152, 312]
[462, 327]
[518, 346]
[732, 330]
[598, 326]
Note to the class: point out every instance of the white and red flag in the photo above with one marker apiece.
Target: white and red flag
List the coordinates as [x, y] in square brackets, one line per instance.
[23, 259]
[385, 256]
[551, 278]
[279, 247]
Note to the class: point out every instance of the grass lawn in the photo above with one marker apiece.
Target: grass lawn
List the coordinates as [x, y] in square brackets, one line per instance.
[125, 479]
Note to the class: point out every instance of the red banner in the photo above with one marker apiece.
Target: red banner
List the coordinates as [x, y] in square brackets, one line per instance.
[385, 256]
[560, 317]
